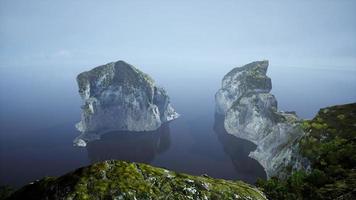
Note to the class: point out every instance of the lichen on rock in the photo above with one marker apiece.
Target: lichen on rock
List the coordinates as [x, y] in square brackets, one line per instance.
[118, 96]
[124, 180]
[251, 113]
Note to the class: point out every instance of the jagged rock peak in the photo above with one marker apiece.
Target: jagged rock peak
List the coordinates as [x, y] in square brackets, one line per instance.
[250, 78]
[257, 66]
[251, 113]
[113, 74]
[118, 96]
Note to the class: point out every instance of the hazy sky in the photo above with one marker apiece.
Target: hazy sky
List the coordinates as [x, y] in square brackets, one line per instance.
[291, 33]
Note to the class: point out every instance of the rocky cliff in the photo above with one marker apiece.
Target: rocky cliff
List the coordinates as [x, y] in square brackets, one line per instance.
[118, 96]
[251, 113]
[123, 180]
[330, 146]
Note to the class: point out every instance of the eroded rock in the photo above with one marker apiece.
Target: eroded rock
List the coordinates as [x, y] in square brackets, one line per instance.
[119, 97]
[251, 113]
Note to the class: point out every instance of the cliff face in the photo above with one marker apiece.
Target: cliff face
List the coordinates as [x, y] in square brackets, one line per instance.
[123, 180]
[330, 145]
[251, 113]
[250, 78]
[118, 96]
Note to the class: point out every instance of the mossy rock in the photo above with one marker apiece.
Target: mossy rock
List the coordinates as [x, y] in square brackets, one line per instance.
[124, 180]
[330, 145]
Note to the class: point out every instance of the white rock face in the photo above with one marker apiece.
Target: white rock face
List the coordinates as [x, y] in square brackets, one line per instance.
[240, 81]
[251, 113]
[118, 96]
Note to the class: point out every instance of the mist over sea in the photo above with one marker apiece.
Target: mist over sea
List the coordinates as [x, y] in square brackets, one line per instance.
[186, 47]
[40, 106]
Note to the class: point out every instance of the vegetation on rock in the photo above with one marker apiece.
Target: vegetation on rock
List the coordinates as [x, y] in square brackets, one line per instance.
[124, 180]
[5, 192]
[330, 145]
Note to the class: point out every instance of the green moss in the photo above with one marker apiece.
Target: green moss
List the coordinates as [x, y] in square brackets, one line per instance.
[330, 145]
[318, 125]
[341, 117]
[123, 180]
[306, 125]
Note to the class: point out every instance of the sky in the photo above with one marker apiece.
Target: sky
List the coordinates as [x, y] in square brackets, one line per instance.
[305, 33]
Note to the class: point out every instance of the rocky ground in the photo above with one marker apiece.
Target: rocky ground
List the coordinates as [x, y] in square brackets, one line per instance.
[124, 180]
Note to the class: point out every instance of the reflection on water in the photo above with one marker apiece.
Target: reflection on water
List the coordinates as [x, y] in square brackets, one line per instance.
[184, 146]
[37, 127]
[130, 146]
[238, 150]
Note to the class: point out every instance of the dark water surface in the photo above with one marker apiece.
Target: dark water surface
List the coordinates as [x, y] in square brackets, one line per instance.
[195, 147]
[39, 108]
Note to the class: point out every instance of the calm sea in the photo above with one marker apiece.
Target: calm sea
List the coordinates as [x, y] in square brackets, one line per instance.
[40, 105]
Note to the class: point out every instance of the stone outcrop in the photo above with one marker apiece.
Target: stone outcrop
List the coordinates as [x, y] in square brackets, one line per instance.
[251, 113]
[119, 97]
[124, 180]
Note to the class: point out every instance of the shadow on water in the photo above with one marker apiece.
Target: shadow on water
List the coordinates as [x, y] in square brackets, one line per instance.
[238, 150]
[130, 146]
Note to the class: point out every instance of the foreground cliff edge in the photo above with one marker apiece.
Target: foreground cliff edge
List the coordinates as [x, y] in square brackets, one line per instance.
[330, 145]
[124, 180]
[119, 97]
[251, 113]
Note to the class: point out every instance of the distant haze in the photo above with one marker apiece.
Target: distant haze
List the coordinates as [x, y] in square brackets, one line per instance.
[316, 33]
[186, 46]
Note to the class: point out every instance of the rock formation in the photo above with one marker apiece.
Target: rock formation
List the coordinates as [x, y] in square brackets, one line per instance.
[330, 146]
[118, 97]
[247, 168]
[123, 180]
[251, 113]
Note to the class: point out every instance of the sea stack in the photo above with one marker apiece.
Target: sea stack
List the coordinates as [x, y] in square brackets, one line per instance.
[250, 113]
[119, 97]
